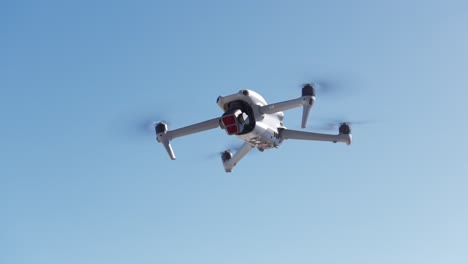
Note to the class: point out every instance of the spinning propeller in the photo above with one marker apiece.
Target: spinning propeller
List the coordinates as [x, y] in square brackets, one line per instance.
[340, 125]
[325, 87]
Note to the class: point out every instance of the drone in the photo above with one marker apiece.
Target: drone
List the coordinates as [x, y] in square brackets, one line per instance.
[250, 118]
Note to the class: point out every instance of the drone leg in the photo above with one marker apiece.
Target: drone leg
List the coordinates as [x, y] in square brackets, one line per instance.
[302, 135]
[231, 162]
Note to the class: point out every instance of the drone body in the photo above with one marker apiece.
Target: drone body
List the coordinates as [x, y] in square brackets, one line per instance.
[248, 116]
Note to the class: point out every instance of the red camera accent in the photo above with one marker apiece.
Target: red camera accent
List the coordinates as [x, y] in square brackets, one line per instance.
[232, 129]
[229, 120]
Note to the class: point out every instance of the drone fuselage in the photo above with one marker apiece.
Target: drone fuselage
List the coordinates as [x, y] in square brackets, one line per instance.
[243, 118]
[247, 116]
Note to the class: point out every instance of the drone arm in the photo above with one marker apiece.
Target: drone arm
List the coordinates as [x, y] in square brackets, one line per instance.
[230, 163]
[164, 136]
[306, 101]
[192, 129]
[302, 135]
[281, 106]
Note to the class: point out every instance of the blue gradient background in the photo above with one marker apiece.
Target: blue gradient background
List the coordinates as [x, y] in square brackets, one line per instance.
[80, 184]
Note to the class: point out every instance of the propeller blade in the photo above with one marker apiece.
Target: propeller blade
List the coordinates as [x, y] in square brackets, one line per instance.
[326, 86]
[334, 124]
[145, 126]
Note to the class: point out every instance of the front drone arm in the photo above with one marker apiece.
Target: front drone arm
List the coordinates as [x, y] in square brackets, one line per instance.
[306, 101]
[192, 129]
[302, 135]
[164, 136]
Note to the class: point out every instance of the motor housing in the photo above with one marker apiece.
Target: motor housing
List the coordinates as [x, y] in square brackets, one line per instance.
[344, 129]
[308, 90]
[161, 129]
[226, 155]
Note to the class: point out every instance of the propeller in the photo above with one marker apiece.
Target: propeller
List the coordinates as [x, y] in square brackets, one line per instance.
[234, 147]
[325, 87]
[145, 126]
[334, 124]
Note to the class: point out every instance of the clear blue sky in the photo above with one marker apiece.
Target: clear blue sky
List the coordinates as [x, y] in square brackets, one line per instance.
[79, 184]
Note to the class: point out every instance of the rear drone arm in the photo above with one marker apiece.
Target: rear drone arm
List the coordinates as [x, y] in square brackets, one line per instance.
[229, 161]
[164, 136]
[302, 135]
[306, 101]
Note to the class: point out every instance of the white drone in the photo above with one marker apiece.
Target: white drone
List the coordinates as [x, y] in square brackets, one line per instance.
[248, 116]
